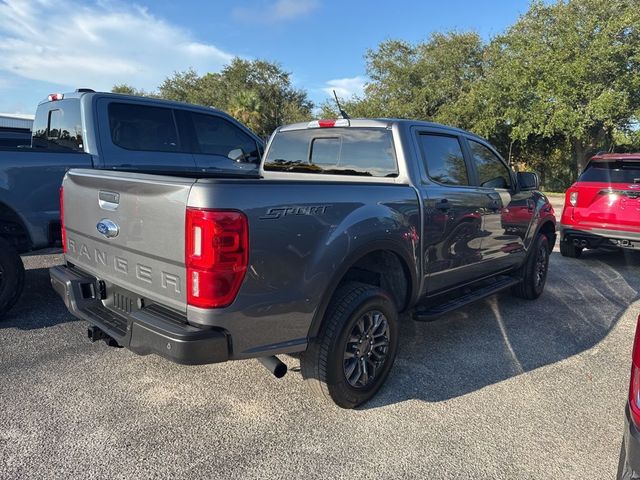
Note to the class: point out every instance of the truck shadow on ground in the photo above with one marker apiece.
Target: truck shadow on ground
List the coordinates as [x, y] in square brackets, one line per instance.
[502, 336]
[39, 306]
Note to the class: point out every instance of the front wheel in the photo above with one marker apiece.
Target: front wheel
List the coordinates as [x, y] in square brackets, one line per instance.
[351, 357]
[11, 277]
[534, 271]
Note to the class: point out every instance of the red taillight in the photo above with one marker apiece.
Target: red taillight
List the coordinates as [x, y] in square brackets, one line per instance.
[634, 387]
[56, 96]
[216, 256]
[326, 123]
[63, 231]
[329, 123]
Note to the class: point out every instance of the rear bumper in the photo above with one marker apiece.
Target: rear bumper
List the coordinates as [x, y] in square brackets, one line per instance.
[629, 465]
[599, 237]
[143, 331]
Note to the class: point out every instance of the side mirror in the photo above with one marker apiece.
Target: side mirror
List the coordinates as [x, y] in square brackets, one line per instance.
[237, 155]
[528, 181]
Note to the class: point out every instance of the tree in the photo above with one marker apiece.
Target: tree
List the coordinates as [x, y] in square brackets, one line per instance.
[246, 107]
[184, 86]
[565, 72]
[127, 89]
[259, 91]
[418, 81]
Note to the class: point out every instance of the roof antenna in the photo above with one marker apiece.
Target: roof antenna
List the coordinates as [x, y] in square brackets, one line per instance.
[343, 114]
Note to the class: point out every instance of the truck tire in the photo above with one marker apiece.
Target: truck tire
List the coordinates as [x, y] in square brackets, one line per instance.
[534, 271]
[11, 277]
[570, 250]
[352, 355]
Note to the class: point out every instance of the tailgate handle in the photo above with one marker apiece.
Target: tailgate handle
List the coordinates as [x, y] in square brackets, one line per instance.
[108, 200]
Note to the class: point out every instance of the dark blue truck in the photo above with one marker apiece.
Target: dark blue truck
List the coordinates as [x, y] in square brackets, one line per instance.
[15, 130]
[87, 129]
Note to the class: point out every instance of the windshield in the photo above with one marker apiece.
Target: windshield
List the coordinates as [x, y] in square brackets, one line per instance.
[341, 151]
[612, 172]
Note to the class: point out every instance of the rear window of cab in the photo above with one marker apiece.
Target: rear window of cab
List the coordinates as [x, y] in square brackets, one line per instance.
[612, 172]
[335, 151]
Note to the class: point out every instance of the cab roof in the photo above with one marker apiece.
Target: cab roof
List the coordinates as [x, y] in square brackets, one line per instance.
[378, 123]
[610, 157]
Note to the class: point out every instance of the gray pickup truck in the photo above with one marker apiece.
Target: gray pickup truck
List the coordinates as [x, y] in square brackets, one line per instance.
[87, 129]
[349, 223]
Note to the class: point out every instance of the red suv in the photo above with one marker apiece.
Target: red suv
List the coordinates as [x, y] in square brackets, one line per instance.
[602, 209]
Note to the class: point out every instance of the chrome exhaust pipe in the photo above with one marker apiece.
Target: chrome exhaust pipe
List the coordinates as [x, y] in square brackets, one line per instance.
[576, 242]
[583, 243]
[274, 365]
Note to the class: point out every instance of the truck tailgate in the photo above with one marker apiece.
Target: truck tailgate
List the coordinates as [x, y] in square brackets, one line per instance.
[128, 230]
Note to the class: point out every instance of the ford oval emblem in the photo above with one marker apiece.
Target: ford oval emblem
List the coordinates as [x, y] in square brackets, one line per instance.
[108, 228]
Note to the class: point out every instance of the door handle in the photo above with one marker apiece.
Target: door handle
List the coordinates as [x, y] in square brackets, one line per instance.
[443, 205]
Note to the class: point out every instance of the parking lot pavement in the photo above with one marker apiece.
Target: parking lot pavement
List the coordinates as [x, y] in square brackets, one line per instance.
[502, 389]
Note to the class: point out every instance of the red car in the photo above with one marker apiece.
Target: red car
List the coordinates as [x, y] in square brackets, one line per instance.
[629, 465]
[602, 209]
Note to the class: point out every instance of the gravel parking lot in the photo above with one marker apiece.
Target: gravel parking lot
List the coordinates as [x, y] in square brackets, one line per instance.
[502, 389]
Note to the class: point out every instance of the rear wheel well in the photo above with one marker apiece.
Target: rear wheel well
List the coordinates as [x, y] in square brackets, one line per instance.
[384, 269]
[548, 229]
[13, 230]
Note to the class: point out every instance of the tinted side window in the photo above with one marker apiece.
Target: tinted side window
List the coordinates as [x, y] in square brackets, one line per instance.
[444, 160]
[492, 173]
[59, 128]
[217, 136]
[611, 172]
[139, 127]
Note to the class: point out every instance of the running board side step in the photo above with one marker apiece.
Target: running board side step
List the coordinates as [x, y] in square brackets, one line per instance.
[431, 313]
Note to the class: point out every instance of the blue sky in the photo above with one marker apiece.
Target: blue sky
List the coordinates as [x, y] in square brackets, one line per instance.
[58, 45]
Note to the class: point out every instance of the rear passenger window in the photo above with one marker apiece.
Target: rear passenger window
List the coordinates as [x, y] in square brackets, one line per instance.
[59, 128]
[492, 173]
[217, 136]
[443, 159]
[139, 127]
[611, 172]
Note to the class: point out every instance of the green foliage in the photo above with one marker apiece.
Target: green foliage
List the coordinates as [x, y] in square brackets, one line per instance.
[569, 70]
[129, 90]
[422, 81]
[257, 92]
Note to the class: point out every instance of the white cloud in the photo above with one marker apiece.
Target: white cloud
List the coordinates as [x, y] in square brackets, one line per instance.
[97, 46]
[276, 11]
[346, 87]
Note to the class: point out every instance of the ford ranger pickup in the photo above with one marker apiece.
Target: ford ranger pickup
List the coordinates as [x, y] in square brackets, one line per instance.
[349, 223]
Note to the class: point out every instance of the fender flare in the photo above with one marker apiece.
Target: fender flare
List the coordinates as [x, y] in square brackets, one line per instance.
[14, 216]
[406, 261]
[547, 219]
